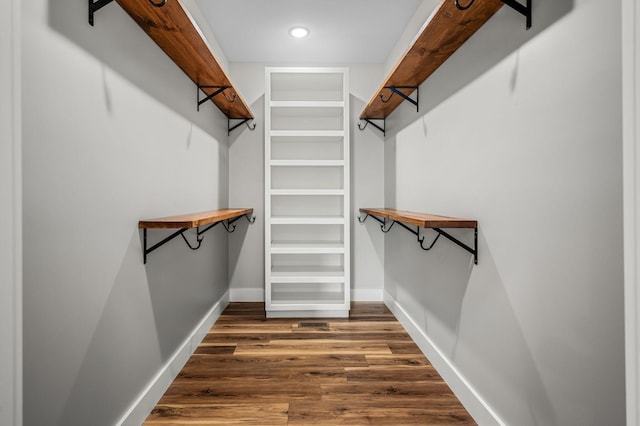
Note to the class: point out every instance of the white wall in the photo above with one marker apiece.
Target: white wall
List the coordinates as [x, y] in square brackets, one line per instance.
[631, 155]
[246, 186]
[10, 217]
[111, 136]
[531, 147]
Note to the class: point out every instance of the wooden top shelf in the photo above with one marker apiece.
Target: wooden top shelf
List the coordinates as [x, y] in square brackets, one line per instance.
[446, 29]
[174, 30]
[193, 220]
[421, 219]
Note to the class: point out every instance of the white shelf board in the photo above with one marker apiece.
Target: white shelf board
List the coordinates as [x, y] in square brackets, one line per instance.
[307, 192]
[313, 300]
[307, 104]
[306, 133]
[307, 163]
[307, 274]
[304, 247]
[307, 220]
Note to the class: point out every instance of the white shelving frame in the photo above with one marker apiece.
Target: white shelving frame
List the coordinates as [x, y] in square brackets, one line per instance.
[307, 192]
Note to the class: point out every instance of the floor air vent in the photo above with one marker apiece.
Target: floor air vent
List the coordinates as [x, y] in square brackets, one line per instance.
[313, 325]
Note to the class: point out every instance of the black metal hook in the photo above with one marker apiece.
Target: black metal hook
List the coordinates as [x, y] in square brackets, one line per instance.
[388, 99]
[199, 239]
[230, 100]
[251, 219]
[368, 121]
[159, 4]
[384, 224]
[421, 241]
[230, 227]
[459, 6]
[365, 218]
[219, 90]
[243, 121]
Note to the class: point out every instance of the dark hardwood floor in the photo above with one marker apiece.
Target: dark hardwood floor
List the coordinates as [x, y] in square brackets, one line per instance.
[363, 370]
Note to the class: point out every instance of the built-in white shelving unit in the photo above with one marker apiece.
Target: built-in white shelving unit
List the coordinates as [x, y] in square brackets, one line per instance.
[307, 250]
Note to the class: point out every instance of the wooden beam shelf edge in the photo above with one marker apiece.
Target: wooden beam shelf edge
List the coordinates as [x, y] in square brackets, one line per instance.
[175, 31]
[423, 220]
[448, 27]
[208, 219]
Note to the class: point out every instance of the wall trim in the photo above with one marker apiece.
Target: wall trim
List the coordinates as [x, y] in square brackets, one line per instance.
[631, 210]
[149, 397]
[468, 396]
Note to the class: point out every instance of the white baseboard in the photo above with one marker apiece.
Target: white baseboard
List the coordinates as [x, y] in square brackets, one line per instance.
[257, 295]
[149, 397]
[481, 412]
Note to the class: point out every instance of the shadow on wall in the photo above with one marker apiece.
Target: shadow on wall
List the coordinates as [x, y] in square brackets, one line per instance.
[144, 320]
[246, 252]
[502, 35]
[116, 41]
[434, 296]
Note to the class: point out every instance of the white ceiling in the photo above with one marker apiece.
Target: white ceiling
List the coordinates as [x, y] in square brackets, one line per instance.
[341, 31]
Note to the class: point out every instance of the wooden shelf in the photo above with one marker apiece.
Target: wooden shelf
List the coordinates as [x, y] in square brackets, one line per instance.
[446, 29]
[423, 220]
[194, 220]
[174, 30]
[209, 219]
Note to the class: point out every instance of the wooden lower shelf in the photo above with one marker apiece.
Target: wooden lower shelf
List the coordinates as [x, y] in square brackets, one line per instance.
[193, 220]
[423, 220]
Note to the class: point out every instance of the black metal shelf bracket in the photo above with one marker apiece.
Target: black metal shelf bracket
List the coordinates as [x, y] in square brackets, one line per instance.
[219, 90]
[518, 7]
[95, 6]
[368, 121]
[395, 90]
[228, 225]
[242, 121]
[421, 239]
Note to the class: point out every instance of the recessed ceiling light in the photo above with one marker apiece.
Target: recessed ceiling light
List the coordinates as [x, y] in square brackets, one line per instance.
[298, 32]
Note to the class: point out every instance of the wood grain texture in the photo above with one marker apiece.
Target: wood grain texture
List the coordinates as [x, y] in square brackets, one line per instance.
[423, 220]
[174, 30]
[193, 220]
[446, 29]
[361, 370]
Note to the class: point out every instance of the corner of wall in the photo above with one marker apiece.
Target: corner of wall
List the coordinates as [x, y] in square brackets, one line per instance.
[149, 397]
[468, 396]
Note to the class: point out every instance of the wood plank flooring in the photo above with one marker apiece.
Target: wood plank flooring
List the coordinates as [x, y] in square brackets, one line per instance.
[364, 370]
